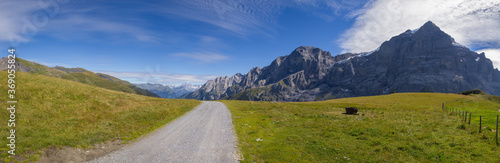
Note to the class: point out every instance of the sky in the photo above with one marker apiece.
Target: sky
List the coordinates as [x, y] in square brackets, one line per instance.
[191, 41]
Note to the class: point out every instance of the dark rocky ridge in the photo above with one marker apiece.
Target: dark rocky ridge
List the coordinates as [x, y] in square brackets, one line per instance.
[427, 60]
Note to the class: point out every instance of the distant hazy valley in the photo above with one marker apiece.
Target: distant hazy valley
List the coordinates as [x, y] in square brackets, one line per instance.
[166, 91]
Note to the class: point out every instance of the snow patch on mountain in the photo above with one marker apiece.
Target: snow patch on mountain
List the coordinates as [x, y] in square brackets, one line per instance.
[364, 54]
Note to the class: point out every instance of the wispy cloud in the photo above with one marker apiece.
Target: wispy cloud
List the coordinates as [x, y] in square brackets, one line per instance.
[240, 17]
[160, 78]
[202, 56]
[15, 18]
[246, 17]
[76, 25]
[23, 20]
[77, 19]
[473, 23]
[327, 9]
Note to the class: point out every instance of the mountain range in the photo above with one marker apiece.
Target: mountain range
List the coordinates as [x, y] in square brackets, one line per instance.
[166, 91]
[77, 74]
[422, 60]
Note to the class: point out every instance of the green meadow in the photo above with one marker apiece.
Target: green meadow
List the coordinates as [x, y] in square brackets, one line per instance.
[403, 127]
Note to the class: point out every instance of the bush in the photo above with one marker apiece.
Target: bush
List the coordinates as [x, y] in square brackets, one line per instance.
[474, 91]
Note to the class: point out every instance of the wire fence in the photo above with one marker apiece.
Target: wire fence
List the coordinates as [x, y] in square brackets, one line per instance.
[466, 117]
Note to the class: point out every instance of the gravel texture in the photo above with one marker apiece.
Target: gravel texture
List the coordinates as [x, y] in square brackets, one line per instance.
[205, 134]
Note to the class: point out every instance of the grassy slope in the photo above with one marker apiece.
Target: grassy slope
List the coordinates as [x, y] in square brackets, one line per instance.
[406, 127]
[57, 112]
[488, 109]
[86, 77]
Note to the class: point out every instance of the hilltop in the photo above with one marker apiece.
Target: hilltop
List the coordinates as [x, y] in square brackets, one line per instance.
[77, 74]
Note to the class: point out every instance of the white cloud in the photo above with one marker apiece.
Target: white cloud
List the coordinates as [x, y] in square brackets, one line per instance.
[493, 55]
[202, 56]
[160, 78]
[472, 23]
[13, 17]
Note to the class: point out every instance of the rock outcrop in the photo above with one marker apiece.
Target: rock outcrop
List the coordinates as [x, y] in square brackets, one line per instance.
[425, 60]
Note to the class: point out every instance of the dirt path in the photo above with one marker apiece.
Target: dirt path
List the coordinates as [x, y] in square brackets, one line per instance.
[203, 135]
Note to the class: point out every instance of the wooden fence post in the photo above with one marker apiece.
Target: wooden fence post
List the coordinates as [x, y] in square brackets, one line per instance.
[465, 117]
[496, 139]
[480, 118]
[470, 117]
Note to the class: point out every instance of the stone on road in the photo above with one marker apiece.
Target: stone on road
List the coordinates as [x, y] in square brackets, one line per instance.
[203, 135]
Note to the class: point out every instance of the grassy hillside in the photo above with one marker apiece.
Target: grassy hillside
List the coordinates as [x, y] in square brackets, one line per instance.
[406, 127]
[81, 75]
[487, 106]
[58, 112]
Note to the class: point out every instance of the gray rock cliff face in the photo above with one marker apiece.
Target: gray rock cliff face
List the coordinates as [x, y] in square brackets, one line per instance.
[285, 79]
[426, 60]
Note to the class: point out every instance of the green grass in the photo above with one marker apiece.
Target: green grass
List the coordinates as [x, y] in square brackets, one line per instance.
[405, 127]
[57, 112]
[486, 106]
[86, 77]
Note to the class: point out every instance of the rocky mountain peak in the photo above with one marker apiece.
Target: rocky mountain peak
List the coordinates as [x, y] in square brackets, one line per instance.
[422, 60]
[427, 40]
[309, 53]
[429, 31]
[430, 27]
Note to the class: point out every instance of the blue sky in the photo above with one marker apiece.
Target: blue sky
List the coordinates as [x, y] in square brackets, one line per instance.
[174, 42]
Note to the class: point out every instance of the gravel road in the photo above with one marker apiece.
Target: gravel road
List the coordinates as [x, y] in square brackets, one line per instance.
[205, 134]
